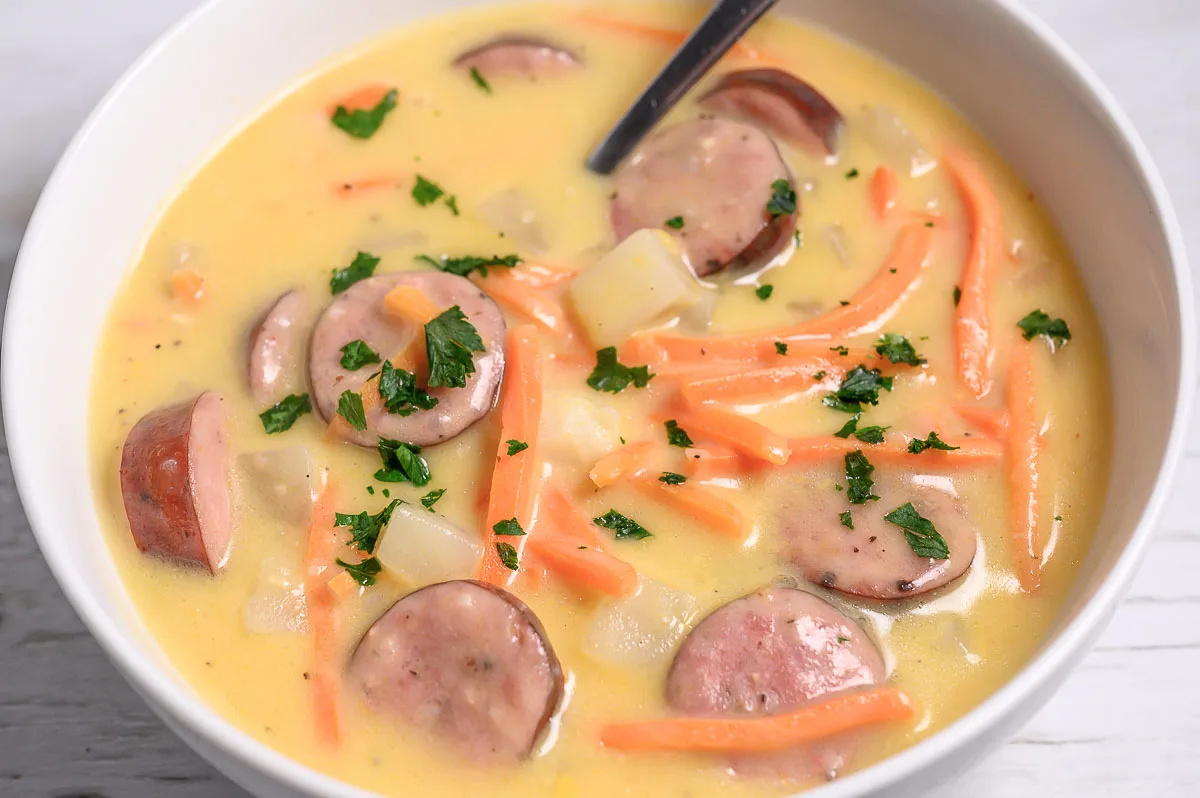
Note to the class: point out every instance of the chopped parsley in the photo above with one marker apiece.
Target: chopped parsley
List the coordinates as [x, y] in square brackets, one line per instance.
[515, 446]
[841, 350]
[426, 192]
[364, 527]
[676, 435]
[350, 407]
[957, 295]
[357, 354]
[923, 538]
[480, 81]
[783, 199]
[452, 204]
[467, 264]
[402, 462]
[449, 341]
[400, 394]
[860, 386]
[853, 173]
[362, 267]
[871, 435]
[897, 349]
[363, 572]
[362, 123]
[820, 375]
[849, 427]
[931, 441]
[508, 555]
[858, 478]
[1038, 323]
[509, 526]
[764, 291]
[611, 376]
[847, 521]
[671, 478]
[621, 526]
[282, 415]
[431, 498]
[675, 223]
[780, 348]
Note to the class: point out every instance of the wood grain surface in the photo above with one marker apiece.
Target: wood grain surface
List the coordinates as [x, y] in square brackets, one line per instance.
[1126, 724]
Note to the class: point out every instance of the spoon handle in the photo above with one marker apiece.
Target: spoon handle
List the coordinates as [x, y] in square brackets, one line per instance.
[725, 24]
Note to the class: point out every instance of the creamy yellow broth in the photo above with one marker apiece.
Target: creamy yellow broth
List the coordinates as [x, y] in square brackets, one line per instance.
[263, 215]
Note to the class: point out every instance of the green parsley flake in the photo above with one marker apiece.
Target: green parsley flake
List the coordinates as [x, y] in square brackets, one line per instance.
[611, 376]
[508, 555]
[849, 427]
[622, 527]
[781, 348]
[362, 123]
[467, 264]
[449, 341]
[840, 350]
[1038, 323]
[847, 521]
[783, 199]
[860, 386]
[357, 354]
[480, 81]
[402, 462]
[853, 173]
[363, 572]
[400, 394]
[426, 192]
[452, 204]
[676, 435]
[872, 435]
[364, 527]
[858, 478]
[350, 407]
[282, 415]
[431, 498]
[515, 446]
[820, 375]
[932, 441]
[675, 223]
[897, 349]
[923, 538]
[362, 267]
[957, 295]
[764, 291]
[509, 526]
[671, 478]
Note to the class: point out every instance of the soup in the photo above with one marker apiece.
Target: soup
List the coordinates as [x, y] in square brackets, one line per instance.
[440, 464]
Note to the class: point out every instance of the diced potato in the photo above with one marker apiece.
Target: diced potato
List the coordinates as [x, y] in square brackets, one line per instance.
[277, 604]
[422, 548]
[639, 284]
[281, 479]
[579, 428]
[642, 628]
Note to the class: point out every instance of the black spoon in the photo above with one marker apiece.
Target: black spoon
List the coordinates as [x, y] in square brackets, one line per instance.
[725, 24]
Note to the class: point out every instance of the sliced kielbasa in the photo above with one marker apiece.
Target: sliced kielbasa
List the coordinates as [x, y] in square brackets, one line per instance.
[779, 101]
[277, 349]
[771, 652]
[520, 56]
[175, 482]
[467, 662]
[874, 559]
[716, 175]
[357, 314]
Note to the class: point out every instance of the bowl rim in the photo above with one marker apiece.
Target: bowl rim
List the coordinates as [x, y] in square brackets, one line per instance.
[187, 710]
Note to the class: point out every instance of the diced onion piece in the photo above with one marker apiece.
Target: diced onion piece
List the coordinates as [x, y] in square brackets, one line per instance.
[579, 428]
[895, 142]
[510, 213]
[636, 285]
[642, 628]
[422, 548]
[282, 481]
[277, 604]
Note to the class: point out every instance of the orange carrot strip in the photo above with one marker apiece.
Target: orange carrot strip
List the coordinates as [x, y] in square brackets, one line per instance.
[992, 420]
[624, 462]
[540, 274]
[744, 434]
[323, 541]
[885, 190]
[408, 304]
[868, 310]
[187, 285]
[363, 98]
[584, 566]
[1025, 443]
[665, 36]
[556, 509]
[717, 461]
[515, 479]
[894, 449]
[770, 383]
[353, 188]
[972, 340]
[699, 503]
[817, 720]
[529, 300]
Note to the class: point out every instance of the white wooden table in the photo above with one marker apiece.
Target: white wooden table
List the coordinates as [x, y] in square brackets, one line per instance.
[1127, 723]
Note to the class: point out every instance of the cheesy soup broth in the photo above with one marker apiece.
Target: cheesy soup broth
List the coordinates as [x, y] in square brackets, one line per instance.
[488, 164]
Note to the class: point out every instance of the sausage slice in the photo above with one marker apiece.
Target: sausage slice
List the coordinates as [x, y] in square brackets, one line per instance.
[717, 176]
[277, 348]
[357, 314]
[467, 662]
[874, 559]
[781, 102]
[771, 652]
[175, 482]
[520, 56]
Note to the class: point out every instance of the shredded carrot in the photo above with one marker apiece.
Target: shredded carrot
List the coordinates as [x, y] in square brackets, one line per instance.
[528, 299]
[894, 449]
[717, 461]
[772, 383]
[700, 503]
[515, 479]
[557, 509]
[624, 462]
[343, 585]
[885, 190]
[818, 720]
[361, 99]
[187, 285]
[353, 188]
[972, 338]
[868, 310]
[744, 434]
[993, 421]
[540, 274]
[666, 36]
[1025, 443]
[408, 304]
[585, 566]
[323, 542]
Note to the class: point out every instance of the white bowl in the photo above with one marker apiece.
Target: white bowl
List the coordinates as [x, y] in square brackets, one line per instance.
[1033, 98]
